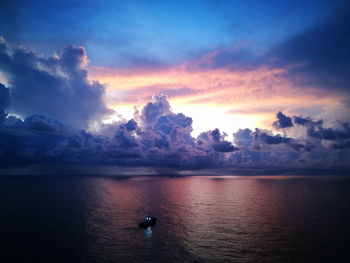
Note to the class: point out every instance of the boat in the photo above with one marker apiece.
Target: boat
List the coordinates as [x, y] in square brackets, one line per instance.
[149, 221]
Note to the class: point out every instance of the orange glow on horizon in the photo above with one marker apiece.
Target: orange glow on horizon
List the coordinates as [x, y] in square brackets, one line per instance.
[213, 98]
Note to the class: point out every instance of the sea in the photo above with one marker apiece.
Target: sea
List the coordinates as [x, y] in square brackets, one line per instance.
[199, 218]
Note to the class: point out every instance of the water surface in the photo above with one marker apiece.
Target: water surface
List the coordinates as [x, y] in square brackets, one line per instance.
[200, 219]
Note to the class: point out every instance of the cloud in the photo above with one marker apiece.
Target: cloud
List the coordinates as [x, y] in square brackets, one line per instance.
[224, 147]
[330, 133]
[272, 139]
[157, 137]
[56, 86]
[260, 138]
[4, 101]
[341, 145]
[153, 110]
[262, 148]
[263, 89]
[216, 141]
[298, 120]
[322, 53]
[56, 101]
[316, 129]
[283, 121]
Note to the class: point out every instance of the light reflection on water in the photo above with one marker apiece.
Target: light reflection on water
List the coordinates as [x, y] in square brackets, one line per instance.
[199, 219]
[148, 232]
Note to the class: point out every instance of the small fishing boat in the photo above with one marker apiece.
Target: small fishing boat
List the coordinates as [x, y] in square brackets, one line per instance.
[149, 221]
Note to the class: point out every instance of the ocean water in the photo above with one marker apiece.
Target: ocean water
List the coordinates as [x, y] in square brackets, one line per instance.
[200, 219]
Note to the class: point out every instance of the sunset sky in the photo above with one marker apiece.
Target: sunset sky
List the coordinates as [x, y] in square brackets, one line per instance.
[226, 64]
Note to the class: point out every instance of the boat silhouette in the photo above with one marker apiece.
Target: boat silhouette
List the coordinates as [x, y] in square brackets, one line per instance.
[149, 221]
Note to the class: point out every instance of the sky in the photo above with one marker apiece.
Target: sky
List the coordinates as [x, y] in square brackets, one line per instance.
[182, 84]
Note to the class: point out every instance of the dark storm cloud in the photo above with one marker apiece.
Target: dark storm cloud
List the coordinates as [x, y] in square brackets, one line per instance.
[322, 52]
[216, 141]
[262, 148]
[315, 129]
[330, 133]
[341, 145]
[273, 139]
[283, 121]
[4, 101]
[224, 147]
[298, 120]
[42, 124]
[165, 138]
[340, 137]
[157, 137]
[262, 139]
[55, 86]
[131, 125]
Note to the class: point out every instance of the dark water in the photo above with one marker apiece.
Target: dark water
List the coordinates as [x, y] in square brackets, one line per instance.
[201, 219]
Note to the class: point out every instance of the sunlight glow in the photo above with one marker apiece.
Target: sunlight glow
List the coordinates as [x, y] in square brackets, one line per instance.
[213, 98]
